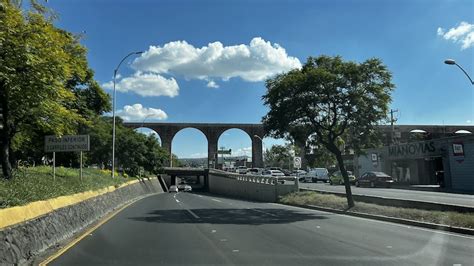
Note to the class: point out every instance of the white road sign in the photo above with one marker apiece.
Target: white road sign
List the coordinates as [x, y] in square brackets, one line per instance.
[297, 162]
[66, 143]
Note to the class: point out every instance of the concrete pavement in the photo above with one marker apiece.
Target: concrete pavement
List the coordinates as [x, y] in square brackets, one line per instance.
[427, 196]
[185, 229]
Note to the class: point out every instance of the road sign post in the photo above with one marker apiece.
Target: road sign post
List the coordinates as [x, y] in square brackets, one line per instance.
[297, 162]
[67, 143]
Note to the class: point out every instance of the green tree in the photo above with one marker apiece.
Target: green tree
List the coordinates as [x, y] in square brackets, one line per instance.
[279, 156]
[46, 86]
[330, 98]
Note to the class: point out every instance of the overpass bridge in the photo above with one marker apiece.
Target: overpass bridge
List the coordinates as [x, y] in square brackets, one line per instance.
[256, 132]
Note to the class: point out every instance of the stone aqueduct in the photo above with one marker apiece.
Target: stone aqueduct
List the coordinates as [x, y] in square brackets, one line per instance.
[167, 131]
[212, 132]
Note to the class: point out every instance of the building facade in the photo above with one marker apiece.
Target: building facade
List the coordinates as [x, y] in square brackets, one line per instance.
[446, 161]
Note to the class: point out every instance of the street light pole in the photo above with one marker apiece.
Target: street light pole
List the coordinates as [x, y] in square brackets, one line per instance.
[263, 143]
[113, 110]
[452, 62]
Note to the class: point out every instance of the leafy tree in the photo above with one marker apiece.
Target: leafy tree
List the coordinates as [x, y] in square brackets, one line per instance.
[279, 156]
[330, 98]
[46, 86]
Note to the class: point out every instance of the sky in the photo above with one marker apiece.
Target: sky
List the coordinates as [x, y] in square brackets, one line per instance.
[207, 61]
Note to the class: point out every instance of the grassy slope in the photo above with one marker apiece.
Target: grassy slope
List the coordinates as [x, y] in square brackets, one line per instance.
[331, 201]
[36, 183]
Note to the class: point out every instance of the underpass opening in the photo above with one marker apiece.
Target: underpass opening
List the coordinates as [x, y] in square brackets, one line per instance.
[234, 150]
[190, 150]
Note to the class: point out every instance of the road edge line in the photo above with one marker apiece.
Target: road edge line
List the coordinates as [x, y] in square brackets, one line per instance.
[446, 228]
[102, 221]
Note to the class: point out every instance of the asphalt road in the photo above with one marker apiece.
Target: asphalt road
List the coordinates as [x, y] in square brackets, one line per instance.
[428, 196]
[190, 229]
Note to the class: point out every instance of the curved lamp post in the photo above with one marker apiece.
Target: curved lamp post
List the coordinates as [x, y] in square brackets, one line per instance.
[452, 62]
[113, 110]
[263, 158]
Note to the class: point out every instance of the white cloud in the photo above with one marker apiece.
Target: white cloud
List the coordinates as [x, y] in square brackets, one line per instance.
[242, 152]
[463, 33]
[468, 121]
[146, 84]
[212, 84]
[137, 112]
[254, 62]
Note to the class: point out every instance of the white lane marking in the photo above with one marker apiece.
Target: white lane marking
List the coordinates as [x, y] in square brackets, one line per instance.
[235, 250]
[193, 214]
[377, 221]
[213, 231]
[389, 247]
[223, 240]
[216, 200]
[177, 201]
[317, 226]
[457, 264]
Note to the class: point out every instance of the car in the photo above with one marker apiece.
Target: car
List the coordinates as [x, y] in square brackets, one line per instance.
[374, 179]
[274, 173]
[184, 187]
[317, 174]
[337, 179]
[242, 170]
[299, 174]
[173, 189]
[255, 171]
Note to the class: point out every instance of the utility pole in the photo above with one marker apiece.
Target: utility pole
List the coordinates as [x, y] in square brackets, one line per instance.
[392, 124]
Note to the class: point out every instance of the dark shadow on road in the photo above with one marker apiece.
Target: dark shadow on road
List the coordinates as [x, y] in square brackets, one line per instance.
[255, 216]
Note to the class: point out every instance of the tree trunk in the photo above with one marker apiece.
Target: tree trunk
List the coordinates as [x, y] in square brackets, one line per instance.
[342, 168]
[5, 139]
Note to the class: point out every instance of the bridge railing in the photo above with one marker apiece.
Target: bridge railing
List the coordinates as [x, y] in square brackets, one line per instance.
[261, 188]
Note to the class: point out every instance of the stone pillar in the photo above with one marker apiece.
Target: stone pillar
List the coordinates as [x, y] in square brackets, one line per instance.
[166, 145]
[257, 156]
[166, 134]
[212, 139]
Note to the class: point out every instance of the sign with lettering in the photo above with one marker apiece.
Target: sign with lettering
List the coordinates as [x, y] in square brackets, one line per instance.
[458, 149]
[66, 143]
[413, 150]
[229, 151]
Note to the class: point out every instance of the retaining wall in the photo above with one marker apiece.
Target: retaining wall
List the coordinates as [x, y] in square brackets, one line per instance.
[259, 188]
[21, 242]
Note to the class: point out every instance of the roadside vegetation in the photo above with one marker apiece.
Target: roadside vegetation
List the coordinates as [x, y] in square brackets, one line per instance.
[48, 88]
[36, 183]
[455, 219]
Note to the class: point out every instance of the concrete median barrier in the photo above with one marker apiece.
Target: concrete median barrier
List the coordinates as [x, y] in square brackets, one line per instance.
[26, 231]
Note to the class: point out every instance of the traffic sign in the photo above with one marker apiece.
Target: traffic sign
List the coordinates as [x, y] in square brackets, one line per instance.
[229, 151]
[297, 162]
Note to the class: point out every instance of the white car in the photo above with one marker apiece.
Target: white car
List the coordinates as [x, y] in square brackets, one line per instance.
[184, 187]
[173, 189]
[275, 173]
[242, 170]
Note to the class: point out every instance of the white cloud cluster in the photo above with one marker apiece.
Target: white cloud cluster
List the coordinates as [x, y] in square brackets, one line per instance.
[137, 112]
[146, 84]
[256, 61]
[243, 151]
[463, 34]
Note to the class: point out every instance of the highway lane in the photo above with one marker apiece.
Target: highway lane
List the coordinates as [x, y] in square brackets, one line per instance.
[191, 229]
[428, 196]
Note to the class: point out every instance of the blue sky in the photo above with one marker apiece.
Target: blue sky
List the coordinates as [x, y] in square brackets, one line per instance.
[406, 35]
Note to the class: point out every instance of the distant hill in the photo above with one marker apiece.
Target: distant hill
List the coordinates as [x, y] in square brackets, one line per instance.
[196, 162]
